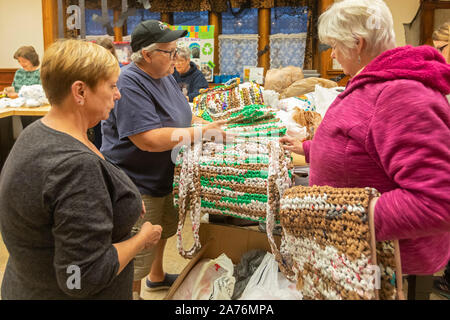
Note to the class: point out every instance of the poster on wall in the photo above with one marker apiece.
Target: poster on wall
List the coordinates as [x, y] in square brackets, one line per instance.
[200, 41]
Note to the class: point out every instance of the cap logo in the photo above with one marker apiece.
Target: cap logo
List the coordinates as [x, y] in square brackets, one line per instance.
[162, 26]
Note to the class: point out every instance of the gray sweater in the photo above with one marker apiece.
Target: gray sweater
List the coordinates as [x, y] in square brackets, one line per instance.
[61, 209]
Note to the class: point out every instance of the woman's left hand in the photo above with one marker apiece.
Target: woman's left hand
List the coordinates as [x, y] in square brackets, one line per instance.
[292, 144]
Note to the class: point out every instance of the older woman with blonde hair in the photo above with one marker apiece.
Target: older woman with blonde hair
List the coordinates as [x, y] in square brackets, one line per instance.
[66, 214]
[388, 130]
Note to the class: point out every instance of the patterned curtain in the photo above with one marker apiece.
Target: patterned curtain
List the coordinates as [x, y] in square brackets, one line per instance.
[141, 15]
[195, 18]
[287, 50]
[237, 51]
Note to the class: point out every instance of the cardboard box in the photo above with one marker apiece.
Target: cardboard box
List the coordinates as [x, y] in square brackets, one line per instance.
[216, 239]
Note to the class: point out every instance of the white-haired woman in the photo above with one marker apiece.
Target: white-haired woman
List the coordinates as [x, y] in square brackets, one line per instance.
[187, 74]
[389, 130]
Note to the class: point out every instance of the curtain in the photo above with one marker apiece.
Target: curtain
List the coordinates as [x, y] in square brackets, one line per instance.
[287, 50]
[237, 51]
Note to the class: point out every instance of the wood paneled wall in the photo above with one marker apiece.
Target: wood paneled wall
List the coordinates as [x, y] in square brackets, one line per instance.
[49, 21]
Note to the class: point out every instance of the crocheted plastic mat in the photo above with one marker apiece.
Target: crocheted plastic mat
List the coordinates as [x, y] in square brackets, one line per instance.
[327, 245]
[219, 102]
[243, 179]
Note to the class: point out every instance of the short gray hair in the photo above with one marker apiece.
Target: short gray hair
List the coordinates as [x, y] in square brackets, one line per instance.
[184, 53]
[137, 57]
[347, 20]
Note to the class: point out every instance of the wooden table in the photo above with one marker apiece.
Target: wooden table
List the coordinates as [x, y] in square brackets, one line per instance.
[6, 126]
[24, 111]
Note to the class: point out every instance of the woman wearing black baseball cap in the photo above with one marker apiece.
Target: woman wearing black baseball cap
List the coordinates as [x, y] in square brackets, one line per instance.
[152, 118]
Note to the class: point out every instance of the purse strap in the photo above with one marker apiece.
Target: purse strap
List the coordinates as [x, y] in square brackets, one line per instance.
[189, 197]
[278, 182]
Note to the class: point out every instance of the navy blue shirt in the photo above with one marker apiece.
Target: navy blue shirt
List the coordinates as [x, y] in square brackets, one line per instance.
[146, 104]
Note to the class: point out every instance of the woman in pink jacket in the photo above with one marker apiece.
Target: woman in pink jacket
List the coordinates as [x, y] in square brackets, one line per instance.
[389, 129]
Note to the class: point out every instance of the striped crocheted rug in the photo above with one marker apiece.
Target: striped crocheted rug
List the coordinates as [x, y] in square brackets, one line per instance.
[239, 179]
[327, 245]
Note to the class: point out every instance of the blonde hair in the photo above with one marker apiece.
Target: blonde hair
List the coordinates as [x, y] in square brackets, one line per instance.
[347, 20]
[67, 61]
[442, 33]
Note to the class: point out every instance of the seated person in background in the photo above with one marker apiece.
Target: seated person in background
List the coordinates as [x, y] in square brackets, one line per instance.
[28, 75]
[187, 74]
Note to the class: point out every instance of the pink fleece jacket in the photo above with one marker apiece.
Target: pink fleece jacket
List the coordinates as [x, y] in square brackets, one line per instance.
[390, 130]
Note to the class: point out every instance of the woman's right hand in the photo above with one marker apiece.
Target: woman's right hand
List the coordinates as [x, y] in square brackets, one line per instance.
[214, 129]
[292, 144]
[150, 234]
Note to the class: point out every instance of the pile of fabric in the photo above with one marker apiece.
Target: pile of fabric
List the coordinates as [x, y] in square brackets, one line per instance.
[29, 96]
[244, 178]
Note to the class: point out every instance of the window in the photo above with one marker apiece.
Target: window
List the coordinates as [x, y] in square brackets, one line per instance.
[289, 20]
[288, 36]
[191, 18]
[94, 28]
[238, 43]
[245, 22]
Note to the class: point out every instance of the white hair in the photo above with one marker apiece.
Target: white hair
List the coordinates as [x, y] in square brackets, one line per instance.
[137, 57]
[184, 52]
[347, 20]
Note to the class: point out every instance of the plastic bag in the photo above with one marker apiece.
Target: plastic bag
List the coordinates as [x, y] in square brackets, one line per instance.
[33, 95]
[293, 128]
[269, 284]
[208, 280]
[271, 98]
[324, 97]
[305, 102]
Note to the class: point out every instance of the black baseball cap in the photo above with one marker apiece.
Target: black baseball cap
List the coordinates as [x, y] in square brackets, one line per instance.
[153, 31]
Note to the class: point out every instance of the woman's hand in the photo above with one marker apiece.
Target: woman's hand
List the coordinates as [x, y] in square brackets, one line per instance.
[213, 130]
[10, 92]
[150, 234]
[292, 144]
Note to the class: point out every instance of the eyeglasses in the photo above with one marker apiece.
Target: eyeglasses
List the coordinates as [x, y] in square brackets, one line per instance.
[172, 53]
